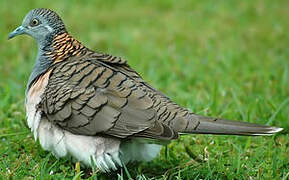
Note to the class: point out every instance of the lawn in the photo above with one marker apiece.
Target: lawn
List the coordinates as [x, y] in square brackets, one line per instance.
[228, 59]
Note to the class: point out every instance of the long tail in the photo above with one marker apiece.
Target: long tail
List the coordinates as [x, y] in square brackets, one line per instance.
[196, 124]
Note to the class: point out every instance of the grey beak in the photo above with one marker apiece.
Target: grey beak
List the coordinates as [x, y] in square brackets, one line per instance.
[16, 32]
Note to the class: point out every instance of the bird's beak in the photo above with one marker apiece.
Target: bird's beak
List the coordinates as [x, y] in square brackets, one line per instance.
[16, 32]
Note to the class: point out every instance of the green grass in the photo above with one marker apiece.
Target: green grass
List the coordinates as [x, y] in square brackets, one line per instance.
[225, 58]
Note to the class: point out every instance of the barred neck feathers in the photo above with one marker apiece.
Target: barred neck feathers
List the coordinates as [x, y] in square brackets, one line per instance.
[64, 46]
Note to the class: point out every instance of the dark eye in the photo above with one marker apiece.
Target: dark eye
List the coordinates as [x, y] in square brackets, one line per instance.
[34, 22]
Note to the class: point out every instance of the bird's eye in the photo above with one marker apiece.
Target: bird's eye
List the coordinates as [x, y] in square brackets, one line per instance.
[34, 22]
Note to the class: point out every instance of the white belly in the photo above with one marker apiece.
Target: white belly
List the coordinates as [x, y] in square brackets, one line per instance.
[103, 152]
[106, 153]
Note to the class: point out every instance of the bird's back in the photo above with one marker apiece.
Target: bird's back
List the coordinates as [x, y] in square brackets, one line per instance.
[90, 93]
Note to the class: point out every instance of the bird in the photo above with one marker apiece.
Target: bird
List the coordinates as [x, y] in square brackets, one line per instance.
[96, 109]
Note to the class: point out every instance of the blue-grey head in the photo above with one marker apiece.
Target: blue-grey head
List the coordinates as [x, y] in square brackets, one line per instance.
[41, 24]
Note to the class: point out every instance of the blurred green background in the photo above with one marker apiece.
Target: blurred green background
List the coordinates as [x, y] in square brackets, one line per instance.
[219, 58]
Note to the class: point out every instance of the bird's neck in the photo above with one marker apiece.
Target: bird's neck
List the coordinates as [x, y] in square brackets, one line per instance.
[53, 50]
[62, 47]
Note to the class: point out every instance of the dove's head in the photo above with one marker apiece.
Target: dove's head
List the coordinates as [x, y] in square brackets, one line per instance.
[41, 24]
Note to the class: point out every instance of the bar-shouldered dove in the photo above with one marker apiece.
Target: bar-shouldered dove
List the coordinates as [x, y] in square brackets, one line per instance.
[97, 109]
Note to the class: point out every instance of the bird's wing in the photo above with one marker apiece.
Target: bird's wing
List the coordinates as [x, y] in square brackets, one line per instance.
[89, 97]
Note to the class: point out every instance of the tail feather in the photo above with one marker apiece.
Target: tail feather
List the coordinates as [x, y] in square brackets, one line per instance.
[208, 125]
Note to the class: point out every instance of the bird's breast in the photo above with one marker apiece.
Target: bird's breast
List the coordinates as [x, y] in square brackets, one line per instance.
[33, 98]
